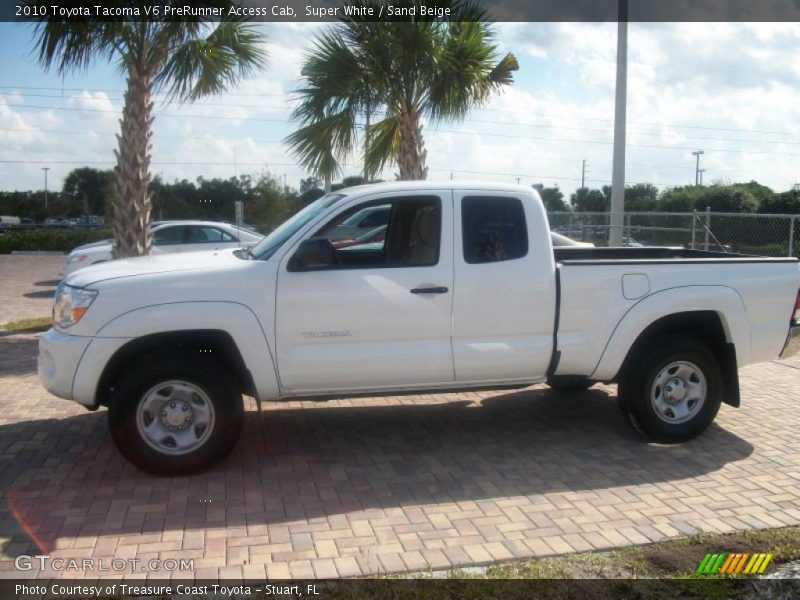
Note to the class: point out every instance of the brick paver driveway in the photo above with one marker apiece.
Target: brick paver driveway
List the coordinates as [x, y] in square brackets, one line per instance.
[28, 285]
[363, 486]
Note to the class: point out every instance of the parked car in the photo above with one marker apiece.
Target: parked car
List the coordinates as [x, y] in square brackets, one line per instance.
[560, 241]
[713, 246]
[629, 242]
[360, 223]
[169, 237]
[372, 236]
[467, 292]
[8, 222]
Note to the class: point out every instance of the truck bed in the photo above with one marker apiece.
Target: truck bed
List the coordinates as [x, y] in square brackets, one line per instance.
[570, 255]
[603, 289]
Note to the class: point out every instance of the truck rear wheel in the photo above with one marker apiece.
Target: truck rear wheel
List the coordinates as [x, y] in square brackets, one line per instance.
[674, 394]
[175, 414]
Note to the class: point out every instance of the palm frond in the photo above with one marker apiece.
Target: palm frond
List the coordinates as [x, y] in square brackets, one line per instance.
[502, 73]
[318, 143]
[383, 140]
[200, 67]
[72, 46]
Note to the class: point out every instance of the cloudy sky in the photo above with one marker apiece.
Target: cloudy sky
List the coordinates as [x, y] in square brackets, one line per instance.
[728, 89]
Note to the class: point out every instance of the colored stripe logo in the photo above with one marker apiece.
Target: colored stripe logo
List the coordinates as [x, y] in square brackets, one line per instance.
[733, 563]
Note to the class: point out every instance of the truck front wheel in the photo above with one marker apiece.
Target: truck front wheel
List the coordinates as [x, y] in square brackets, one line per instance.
[175, 414]
[674, 394]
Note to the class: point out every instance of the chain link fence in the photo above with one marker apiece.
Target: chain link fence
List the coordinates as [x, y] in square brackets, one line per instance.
[745, 233]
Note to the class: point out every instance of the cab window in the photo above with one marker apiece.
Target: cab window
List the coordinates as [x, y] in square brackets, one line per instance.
[405, 232]
[493, 229]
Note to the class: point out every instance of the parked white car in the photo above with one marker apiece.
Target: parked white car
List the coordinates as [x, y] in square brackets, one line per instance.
[360, 223]
[560, 241]
[465, 291]
[169, 237]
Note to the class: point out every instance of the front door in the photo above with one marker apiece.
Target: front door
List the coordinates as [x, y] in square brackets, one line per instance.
[381, 315]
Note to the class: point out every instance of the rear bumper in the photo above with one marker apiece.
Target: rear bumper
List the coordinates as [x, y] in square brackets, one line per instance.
[792, 345]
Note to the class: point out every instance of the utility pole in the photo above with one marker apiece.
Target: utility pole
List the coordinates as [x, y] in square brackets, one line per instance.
[620, 101]
[697, 153]
[701, 171]
[45, 169]
[583, 174]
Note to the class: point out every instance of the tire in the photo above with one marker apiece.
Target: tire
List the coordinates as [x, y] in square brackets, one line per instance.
[570, 385]
[674, 394]
[175, 414]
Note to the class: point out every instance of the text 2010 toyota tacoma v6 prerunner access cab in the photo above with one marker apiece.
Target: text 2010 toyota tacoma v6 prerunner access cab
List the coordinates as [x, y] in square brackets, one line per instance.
[460, 289]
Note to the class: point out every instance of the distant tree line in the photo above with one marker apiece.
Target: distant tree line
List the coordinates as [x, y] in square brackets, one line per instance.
[87, 191]
[267, 202]
[751, 197]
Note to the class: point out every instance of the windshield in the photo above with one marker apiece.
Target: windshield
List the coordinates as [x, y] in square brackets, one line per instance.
[270, 244]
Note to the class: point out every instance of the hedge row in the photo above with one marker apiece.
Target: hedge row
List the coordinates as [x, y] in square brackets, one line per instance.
[58, 240]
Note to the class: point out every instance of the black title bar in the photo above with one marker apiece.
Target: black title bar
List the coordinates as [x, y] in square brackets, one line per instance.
[402, 10]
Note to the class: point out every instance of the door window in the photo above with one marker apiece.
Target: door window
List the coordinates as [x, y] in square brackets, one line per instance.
[494, 229]
[407, 234]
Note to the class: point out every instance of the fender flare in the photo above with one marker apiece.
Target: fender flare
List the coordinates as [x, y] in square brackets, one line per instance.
[236, 319]
[723, 300]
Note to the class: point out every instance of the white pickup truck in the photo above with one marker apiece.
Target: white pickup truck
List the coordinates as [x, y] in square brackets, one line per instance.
[463, 291]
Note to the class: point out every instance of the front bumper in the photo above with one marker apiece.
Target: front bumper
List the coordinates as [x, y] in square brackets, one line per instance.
[59, 356]
[792, 345]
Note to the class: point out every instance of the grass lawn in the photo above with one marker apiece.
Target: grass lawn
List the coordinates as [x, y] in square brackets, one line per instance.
[30, 325]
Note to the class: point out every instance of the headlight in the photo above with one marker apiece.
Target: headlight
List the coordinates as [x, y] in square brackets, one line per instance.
[71, 304]
[76, 258]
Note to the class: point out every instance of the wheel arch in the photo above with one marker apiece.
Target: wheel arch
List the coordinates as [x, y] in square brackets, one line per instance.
[713, 314]
[213, 343]
[706, 326]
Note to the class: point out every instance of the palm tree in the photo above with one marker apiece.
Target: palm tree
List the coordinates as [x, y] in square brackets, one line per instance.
[407, 71]
[187, 60]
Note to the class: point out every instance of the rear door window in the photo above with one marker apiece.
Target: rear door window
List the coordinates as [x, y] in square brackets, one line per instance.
[493, 229]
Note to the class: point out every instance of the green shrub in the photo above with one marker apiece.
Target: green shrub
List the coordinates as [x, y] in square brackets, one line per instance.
[58, 240]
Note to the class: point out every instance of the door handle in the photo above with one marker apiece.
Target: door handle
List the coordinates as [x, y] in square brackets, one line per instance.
[430, 290]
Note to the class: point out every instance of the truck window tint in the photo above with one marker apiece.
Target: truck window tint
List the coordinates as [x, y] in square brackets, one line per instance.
[408, 237]
[494, 229]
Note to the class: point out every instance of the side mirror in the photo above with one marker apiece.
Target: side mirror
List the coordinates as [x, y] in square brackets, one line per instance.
[313, 253]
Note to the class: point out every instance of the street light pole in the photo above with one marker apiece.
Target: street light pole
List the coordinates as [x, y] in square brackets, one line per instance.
[45, 169]
[620, 101]
[697, 153]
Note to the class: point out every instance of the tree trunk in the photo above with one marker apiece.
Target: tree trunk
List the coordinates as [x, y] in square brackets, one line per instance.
[132, 174]
[411, 154]
[85, 202]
